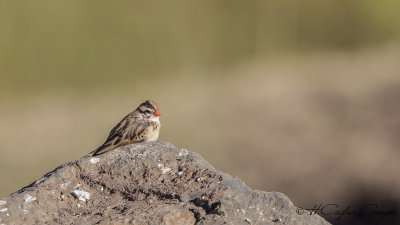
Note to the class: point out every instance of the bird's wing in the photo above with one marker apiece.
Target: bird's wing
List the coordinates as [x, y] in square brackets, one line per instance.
[136, 133]
[122, 126]
[129, 130]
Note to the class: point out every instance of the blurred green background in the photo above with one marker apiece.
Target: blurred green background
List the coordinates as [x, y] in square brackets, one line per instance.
[300, 97]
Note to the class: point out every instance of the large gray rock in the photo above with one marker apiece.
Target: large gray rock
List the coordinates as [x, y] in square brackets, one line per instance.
[148, 183]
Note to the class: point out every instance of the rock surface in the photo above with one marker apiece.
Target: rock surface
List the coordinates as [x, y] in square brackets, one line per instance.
[147, 183]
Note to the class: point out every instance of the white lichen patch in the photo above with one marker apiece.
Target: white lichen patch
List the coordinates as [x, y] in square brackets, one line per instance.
[28, 198]
[40, 180]
[65, 184]
[3, 210]
[144, 153]
[135, 146]
[61, 197]
[94, 160]
[275, 219]
[183, 152]
[81, 195]
[2, 202]
[163, 168]
[166, 170]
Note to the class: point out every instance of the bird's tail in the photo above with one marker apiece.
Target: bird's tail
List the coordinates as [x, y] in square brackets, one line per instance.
[100, 150]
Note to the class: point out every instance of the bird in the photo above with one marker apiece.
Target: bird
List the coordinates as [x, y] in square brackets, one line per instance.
[141, 125]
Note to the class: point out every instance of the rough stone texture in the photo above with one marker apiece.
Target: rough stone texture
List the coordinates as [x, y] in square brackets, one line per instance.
[148, 183]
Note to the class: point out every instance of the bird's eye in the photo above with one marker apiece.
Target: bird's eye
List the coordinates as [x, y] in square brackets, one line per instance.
[147, 111]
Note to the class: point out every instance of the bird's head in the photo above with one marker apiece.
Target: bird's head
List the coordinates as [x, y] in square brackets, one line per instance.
[149, 109]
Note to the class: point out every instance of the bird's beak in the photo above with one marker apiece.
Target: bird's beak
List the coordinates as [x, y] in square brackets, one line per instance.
[157, 113]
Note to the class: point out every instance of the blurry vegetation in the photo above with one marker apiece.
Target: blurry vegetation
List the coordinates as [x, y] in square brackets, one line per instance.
[284, 94]
[75, 44]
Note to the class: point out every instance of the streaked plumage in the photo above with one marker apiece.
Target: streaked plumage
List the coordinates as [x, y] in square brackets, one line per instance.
[141, 125]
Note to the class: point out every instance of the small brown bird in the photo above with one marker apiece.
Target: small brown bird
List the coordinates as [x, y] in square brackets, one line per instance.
[141, 125]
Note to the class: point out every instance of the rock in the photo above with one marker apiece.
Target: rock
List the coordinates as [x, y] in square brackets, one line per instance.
[146, 183]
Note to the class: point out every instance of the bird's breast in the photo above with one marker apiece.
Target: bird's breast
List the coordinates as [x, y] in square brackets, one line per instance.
[153, 129]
